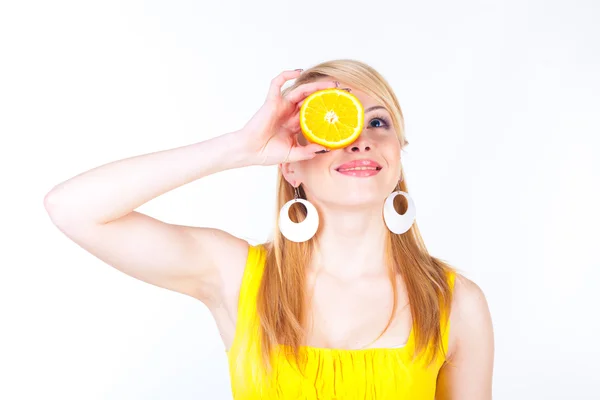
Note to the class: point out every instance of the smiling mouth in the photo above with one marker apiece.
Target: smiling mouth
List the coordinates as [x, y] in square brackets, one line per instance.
[358, 169]
[361, 171]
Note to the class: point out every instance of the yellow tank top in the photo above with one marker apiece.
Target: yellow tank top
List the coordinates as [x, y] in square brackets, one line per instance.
[374, 373]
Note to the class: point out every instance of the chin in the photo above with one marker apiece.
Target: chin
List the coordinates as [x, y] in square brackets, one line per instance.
[353, 191]
[355, 198]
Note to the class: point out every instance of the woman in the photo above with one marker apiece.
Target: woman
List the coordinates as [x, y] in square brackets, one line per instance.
[358, 309]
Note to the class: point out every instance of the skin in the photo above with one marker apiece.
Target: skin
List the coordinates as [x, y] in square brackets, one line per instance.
[351, 239]
[349, 267]
[95, 209]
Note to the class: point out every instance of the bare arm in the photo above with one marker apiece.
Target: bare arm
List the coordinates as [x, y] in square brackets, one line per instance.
[94, 209]
[467, 374]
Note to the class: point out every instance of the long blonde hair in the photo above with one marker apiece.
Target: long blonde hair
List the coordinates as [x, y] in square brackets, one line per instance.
[281, 298]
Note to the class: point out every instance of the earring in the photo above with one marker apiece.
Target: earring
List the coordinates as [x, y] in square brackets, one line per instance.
[298, 231]
[398, 223]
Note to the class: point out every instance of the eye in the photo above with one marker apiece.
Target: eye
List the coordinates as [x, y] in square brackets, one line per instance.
[379, 122]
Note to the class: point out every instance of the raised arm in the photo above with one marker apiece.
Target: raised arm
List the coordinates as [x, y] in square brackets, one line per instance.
[95, 209]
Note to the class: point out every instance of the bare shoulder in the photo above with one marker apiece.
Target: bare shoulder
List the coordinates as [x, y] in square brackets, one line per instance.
[470, 312]
[228, 255]
[223, 246]
[467, 372]
[468, 296]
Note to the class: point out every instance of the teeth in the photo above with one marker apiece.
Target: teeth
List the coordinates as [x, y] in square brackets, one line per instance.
[358, 169]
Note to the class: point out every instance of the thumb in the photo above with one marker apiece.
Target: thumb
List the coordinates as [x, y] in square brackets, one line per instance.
[299, 153]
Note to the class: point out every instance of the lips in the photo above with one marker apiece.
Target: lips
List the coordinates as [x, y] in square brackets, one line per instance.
[359, 168]
[359, 165]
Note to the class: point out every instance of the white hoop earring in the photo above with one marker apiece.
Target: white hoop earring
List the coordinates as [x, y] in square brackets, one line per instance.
[399, 223]
[298, 231]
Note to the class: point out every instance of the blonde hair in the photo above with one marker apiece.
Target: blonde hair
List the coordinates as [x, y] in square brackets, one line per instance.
[281, 298]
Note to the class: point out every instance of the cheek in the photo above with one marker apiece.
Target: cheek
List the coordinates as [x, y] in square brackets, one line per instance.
[315, 169]
[392, 151]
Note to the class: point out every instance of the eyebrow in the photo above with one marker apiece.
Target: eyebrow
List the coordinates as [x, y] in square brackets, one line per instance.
[374, 108]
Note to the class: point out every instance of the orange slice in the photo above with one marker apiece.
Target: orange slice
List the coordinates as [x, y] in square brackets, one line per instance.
[333, 118]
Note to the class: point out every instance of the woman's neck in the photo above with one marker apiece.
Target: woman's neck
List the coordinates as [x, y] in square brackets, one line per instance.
[351, 244]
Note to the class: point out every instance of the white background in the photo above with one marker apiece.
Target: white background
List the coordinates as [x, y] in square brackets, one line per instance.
[501, 101]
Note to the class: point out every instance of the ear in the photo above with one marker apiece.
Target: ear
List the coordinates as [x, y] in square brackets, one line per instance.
[289, 173]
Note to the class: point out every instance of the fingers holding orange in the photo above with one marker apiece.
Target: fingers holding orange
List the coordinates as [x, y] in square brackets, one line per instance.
[303, 91]
[280, 80]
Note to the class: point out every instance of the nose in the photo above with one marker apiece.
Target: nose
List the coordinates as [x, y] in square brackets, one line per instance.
[360, 145]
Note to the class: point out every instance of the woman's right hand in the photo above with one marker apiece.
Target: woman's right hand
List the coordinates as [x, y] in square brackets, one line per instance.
[271, 134]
